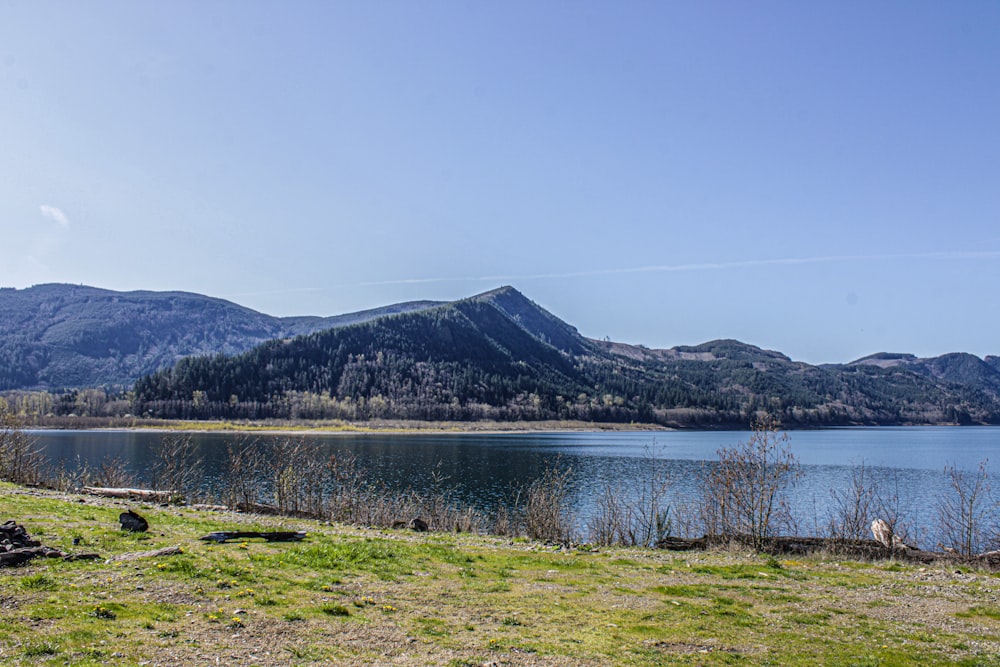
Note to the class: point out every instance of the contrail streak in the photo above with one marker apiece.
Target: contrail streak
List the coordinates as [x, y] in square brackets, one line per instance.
[701, 266]
[652, 268]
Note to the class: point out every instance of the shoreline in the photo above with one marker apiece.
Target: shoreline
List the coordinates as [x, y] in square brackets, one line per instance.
[407, 427]
[356, 428]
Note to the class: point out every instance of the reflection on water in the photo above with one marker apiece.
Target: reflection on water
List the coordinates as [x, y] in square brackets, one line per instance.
[485, 470]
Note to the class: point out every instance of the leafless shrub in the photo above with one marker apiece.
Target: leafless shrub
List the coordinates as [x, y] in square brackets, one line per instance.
[869, 495]
[68, 477]
[890, 508]
[436, 507]
[686, 518]
[379, 506]
[639, 521]
[504, 520]
[465, 520]
[111, 472]
[744, 492]
[298, 475]
[177, 467]
[854, 507]
[441, 511]
[347, 483]
[21, 461]
[610, 520]
[966, 516]
[245, 466]
[546, 514]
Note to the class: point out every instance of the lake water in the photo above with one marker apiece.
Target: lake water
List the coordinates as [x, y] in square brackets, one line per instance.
[487, 469]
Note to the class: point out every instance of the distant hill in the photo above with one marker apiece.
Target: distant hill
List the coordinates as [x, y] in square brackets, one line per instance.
[958, 368]
[498, 355]
[69, 336]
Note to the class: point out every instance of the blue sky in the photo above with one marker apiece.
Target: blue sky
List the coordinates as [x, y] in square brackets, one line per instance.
[818, 178]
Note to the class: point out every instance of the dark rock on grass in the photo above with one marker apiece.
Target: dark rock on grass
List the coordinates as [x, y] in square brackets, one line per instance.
[17, 547]
[132, 522]
[14, 536]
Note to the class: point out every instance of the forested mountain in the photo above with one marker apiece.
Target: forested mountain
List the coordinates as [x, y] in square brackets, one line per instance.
[500, 356]
[957, 367]
[69, 336]
[497, 355]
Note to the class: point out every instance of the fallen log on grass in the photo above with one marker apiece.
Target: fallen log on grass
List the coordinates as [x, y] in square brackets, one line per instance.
[795, 546]
[17, 557]
[272, 510]
[802, 546]
[83, 556]
[151, 495]
[17, 547]
[272, 536]
[156, 553]
[23, 555]
[682, 543]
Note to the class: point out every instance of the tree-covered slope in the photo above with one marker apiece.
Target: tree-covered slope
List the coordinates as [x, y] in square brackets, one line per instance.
[956, 368]
[498, 355]
[65, 336]
[453, 360]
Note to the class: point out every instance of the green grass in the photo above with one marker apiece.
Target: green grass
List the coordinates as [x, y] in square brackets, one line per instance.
[981, 611]
[349, 596]
[335, 610]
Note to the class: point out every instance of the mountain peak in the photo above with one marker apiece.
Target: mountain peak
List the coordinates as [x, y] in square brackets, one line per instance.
[534, 319]
[504, 290]
[884, 359]
[728, 348]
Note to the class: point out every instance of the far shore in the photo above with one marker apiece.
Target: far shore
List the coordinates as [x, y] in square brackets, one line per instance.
[388, 426]
[314, 427]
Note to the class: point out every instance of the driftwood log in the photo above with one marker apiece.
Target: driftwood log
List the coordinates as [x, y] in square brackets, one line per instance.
[273, 536]
[156, 553]
[151, 495]
[779, 545]
[271, 510]
[23, 555]
[802, 546]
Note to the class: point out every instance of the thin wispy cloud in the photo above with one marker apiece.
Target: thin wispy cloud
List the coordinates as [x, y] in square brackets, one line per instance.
[700, 266]
[653, 268]
[55, 214]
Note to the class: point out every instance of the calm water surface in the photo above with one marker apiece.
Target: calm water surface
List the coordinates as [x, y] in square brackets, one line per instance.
[487, 469]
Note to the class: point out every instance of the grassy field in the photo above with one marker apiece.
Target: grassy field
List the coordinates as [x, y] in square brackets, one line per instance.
[350, 596]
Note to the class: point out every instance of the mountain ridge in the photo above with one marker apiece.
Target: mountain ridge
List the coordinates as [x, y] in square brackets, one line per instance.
[60, 336]
[499, 355]
[494, 355]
